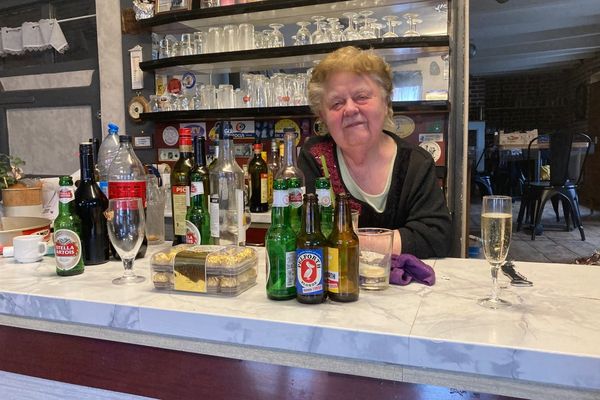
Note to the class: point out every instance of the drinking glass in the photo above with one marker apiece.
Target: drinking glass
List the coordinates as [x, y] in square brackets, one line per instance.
[126, 226]
[390, 23]
[412, 21]
[230, 38]
[246, 36]
[303, 34]
[319, 36]
[277, 36]
[496, 228]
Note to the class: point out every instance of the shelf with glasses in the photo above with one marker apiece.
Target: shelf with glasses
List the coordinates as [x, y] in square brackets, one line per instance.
[393, 49]
[282, 11]
[280, 112]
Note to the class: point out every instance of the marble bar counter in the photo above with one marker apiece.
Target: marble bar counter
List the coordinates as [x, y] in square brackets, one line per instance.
[547, 346]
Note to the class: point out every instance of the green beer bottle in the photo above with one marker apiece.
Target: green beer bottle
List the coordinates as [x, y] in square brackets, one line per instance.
[281, 247]
[323, 192]
[295, 194]
[67, 232]
[197, 219]
[342, 255]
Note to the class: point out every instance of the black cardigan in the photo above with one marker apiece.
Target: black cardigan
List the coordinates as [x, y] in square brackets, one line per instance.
[415, 203]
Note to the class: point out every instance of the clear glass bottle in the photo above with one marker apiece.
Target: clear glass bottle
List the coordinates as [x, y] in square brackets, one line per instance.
[227, 215]
[273, 166]
[155, 211]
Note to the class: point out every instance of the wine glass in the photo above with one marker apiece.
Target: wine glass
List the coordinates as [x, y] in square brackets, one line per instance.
[390, 22]
[125, 220]
[412, 21]
[303, 34]
[496, 228]
[277, 36]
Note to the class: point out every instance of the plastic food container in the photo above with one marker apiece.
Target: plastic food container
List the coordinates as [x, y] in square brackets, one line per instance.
[216, 270]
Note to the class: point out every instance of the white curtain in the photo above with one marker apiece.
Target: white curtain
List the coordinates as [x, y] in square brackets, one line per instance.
[32, 36]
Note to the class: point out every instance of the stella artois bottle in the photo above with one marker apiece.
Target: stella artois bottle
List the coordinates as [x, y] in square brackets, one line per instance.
[67, 232]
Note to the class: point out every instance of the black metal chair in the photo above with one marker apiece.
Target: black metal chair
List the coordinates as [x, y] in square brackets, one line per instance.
[568, 153]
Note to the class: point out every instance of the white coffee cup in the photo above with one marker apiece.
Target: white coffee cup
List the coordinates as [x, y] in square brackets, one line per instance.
[29, 248]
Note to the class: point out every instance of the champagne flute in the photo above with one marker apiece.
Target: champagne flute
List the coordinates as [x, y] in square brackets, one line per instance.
[496, 228]
[125, 220]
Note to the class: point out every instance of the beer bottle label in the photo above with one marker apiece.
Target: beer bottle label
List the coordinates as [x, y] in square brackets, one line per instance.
[281, 198]
[290, 269]
[324, 197]
[309, 271]
[333, 270]
[295, 197]
[192, 234]
[67, 249]
[66, 194]
[196, 189]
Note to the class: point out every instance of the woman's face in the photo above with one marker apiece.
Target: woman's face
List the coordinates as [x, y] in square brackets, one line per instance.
[354, 109]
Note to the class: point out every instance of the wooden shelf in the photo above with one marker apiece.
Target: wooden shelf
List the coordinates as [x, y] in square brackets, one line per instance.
[393, 49]
[279, 112]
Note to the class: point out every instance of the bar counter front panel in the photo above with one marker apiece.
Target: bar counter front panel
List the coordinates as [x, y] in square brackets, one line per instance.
[546, 346]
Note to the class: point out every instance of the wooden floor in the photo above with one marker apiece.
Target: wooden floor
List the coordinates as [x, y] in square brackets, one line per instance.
[555, 244]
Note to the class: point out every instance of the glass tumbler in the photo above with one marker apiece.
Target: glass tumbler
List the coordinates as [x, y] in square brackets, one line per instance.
[225, 98]
[375, 257]
[246, 36]
[208, 97]
[214, 40]
[230, 38]
[155, 211]
[165, 48]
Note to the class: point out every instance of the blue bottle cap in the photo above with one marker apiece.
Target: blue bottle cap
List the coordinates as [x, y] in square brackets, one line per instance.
[113, 128]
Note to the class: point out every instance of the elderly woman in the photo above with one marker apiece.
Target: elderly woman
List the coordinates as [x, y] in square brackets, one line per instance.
[391, 182]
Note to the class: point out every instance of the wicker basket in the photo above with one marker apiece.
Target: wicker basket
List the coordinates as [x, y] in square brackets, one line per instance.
[12, 197]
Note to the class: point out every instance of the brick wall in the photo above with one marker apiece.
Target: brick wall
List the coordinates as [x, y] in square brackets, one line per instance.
[476, 98]
[527, 101]
[586, 118]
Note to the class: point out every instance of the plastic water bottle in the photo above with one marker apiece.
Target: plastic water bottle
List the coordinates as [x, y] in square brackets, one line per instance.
[106, 154]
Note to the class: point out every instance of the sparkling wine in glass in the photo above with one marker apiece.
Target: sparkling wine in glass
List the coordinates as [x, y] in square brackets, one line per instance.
[496, 228]
[125, 220]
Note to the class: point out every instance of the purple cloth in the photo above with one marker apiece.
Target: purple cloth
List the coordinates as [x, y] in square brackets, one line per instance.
[406, 268]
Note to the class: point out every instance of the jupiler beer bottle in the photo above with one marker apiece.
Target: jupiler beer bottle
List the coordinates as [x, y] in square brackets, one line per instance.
[180, 186]
[323, 192]
[259, 179]
[67, 232]
[296, 187]
[343, 255]
[311, 255]
[90, 204]
[281, 247]
[127, 178]
[197, 218]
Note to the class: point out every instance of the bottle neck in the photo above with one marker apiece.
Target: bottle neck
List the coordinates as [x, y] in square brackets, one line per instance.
[226, 150]
[65, 198]
[290, 150]
[200, 154]
[86, 165]
[279, 207]
[310, 218]
[343, 215]
[185, 147]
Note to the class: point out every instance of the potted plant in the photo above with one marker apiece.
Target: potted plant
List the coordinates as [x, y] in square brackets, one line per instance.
[17, 191]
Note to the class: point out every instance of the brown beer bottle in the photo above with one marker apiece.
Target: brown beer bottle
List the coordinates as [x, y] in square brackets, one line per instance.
[343, 255]
[311, 255]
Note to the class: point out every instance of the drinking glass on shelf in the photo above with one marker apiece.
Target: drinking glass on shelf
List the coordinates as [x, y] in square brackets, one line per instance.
[319, 35]
[186, 46]
[276, 36]
[214, 40]
[496, 229]
[165, 48]
[303, 34]
[230, 38]
[246, 36]
[199, 42]
[390, 26]
[351, 32]
[335, 33]
[126, 227]
[367, 32]
[412, 21]
[209, 3]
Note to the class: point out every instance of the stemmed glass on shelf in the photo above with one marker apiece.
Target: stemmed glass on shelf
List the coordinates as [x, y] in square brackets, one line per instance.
[303, 35]
[496, 229]
[126, 229]
[412, 21]
[391, 19]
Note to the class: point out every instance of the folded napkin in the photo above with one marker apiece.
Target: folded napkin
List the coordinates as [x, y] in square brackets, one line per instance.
[406, 268]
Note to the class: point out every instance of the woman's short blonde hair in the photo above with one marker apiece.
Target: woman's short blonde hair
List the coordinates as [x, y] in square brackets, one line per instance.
[352, 59]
